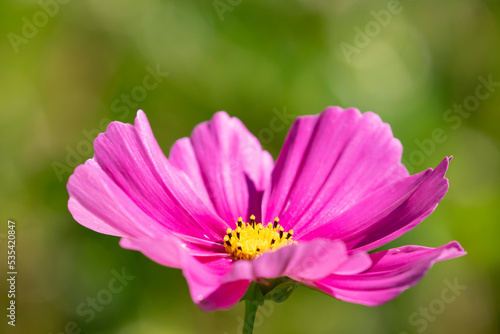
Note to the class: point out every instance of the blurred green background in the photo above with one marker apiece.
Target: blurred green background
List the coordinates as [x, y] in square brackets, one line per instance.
[68, 68]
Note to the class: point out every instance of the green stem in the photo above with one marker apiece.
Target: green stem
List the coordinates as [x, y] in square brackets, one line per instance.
[250, 312]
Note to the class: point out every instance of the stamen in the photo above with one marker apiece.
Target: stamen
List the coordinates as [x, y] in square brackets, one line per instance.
[250, 240]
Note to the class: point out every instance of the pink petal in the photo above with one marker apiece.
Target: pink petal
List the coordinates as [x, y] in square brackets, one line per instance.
[168, 251]
[328, 163]
[304, 261]
[234, 168]
[357, 262]
[98, 203]
[182, 156]
[90, 220]
[132, 159]
[393, 271]
[206, 287]
[203, 274]
[388, 212]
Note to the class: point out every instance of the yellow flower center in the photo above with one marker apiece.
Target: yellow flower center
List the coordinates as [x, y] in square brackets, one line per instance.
[249, 240]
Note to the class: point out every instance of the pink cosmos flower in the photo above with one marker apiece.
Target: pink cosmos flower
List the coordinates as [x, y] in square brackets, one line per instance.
[338, 183]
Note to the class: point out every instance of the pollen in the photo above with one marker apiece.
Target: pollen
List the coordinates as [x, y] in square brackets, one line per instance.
[250, 239]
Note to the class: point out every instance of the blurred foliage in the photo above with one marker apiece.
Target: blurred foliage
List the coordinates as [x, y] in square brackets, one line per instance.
[66, 76]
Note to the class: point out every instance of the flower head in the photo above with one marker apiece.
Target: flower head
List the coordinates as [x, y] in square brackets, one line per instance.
[224, 212]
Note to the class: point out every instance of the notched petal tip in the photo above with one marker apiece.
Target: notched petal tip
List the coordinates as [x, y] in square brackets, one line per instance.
[339, 109]
[393, 271]
[450, 251]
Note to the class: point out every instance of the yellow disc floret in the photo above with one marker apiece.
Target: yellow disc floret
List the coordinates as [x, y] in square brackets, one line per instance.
[249, 240]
